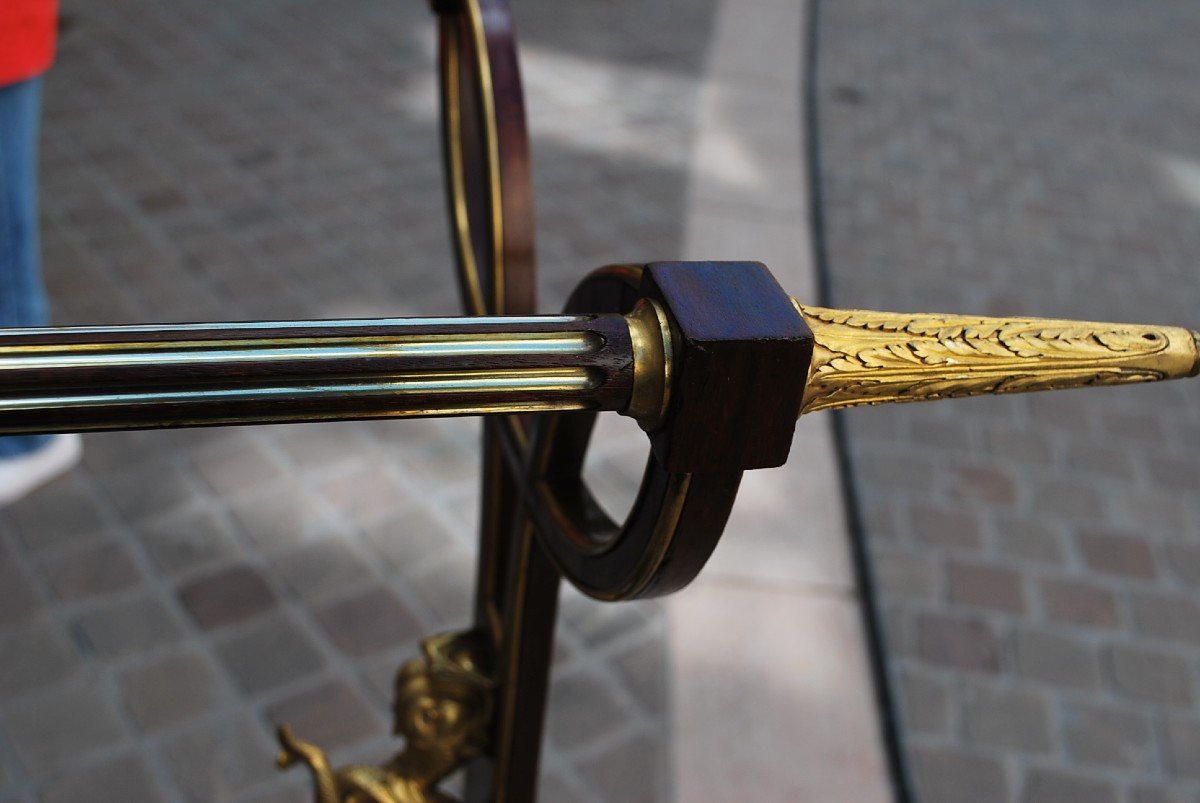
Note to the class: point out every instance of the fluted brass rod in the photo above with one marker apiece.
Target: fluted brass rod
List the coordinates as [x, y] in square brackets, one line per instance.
[863, 357]
[76, 379]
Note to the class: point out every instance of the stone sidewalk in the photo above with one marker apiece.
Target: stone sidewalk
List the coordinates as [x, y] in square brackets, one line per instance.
[1038, 556]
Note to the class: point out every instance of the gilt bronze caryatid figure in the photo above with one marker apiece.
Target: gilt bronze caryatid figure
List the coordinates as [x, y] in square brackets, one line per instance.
[442, 708]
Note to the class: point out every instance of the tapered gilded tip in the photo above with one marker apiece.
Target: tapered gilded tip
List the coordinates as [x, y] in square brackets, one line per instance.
[862, 357]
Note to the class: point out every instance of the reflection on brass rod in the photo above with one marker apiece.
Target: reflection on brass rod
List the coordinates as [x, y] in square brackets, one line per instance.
[498, 321]
[166, 417]
[103, 355]
[553, 380]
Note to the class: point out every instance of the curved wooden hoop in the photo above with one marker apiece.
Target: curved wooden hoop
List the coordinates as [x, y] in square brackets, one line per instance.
[674, 523]
[486, 153]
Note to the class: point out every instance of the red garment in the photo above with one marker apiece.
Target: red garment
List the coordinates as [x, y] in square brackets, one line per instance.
[28, 30]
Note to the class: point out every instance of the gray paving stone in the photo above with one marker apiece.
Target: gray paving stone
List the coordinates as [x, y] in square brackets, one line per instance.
[52, 732]
[444, 585]
[598, 623]
[1115, 553]
[283, 792]
[1109, 737]
[236, 464]
[1174, 617]
[364, 494]
[332, 715]
[319, 446]
[642, 671]
[281, 516]
[925, 703]
[908, 575]
[125, 779]
[946, 528]
[1183, 560]
[970, 644]
[631, 771]
[1182, 746]
[554, 787]
[18, 599]
[129, 626]
[1180, 473]
[103, 451]
[982, 586]
[226, 597]
[409, 533]
[582, 710]
[1004, 718]
[169, 690]
[188, 540]
[368, 622]
[1026, 539]
[1158, 794]
[946, 776]
[92, 571]
[984, 483]
[269, 653]
[1069, 500]
[214, 760]
[1150, 674]
[61, 513]
[148, 489]
[314, 570]
[35, 655]
[1048, 786]
[1056, 658]
[1079, 602]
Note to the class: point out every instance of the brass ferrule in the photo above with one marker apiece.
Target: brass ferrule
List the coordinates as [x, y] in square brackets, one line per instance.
[650, 335]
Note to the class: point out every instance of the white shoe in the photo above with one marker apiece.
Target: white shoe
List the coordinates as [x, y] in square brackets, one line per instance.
[20, 475]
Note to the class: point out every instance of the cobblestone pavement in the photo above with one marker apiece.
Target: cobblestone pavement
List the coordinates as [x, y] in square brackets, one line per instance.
[1039, 556]
[166, 603]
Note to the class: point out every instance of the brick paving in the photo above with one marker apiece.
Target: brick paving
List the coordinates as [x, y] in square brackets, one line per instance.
[1037, 555]
[167, 602]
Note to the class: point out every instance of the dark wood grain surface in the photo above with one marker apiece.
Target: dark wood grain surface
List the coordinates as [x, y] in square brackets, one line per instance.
[742, 354]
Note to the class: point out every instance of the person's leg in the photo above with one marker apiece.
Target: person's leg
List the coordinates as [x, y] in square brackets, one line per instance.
[22, 296]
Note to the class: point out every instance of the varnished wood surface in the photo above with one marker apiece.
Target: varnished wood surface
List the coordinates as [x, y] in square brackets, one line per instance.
[735, 332]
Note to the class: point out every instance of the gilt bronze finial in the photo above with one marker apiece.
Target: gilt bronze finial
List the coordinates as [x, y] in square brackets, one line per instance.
[863, 357]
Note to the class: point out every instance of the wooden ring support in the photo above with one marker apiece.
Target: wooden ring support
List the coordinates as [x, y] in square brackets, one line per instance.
[676, 519]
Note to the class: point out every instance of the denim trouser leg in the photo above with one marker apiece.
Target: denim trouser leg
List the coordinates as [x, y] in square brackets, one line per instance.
[22, 297]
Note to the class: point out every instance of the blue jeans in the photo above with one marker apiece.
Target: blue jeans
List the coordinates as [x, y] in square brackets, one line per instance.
[22, 296]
